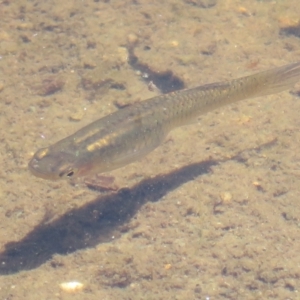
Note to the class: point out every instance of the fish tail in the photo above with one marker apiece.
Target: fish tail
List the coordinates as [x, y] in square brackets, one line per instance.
[275, 80]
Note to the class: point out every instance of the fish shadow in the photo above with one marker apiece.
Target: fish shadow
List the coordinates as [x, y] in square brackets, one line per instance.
[94, 223]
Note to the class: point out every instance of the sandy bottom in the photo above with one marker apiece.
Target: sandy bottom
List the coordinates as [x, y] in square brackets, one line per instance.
[211, 214]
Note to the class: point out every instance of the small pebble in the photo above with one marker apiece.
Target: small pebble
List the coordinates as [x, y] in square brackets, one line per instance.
[123, 54]
[71, 286]
[174, 43]
[4, 36]
[132, 38]
[226, 197]
[244, 11]
[76, 117]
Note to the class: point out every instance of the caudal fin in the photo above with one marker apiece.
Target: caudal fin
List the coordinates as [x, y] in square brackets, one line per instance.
[277, 79]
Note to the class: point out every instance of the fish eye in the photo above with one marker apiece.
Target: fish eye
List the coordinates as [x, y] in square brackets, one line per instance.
[70, 174]
[67, 173]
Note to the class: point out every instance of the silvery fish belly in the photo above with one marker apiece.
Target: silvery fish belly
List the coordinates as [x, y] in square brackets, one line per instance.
[130, 133]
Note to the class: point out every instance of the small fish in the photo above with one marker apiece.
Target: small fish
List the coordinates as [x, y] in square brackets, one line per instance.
[130, 133]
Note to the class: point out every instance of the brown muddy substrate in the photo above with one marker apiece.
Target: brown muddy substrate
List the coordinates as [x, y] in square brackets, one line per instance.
[211, 214]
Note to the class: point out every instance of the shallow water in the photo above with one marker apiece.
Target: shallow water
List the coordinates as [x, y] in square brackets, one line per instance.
[211, 214]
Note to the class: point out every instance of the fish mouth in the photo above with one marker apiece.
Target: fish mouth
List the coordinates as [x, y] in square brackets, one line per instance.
[51, 167]
[36, 169]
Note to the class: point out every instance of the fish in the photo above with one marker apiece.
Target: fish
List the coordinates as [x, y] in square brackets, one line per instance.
[129, 134]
